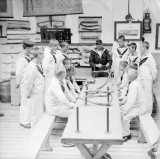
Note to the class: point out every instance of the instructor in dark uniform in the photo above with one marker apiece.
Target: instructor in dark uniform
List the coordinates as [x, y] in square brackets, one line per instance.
[100, 60]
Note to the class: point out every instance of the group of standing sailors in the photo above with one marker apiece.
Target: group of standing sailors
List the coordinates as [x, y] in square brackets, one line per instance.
[46, 81]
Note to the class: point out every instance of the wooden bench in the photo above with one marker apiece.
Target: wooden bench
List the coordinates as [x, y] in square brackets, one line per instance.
[38, 138]
[149, 130]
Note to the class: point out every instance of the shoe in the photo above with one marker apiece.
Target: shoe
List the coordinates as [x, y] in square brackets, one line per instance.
[126, 138]
[68, 145]
[26, 125]
[1, 114]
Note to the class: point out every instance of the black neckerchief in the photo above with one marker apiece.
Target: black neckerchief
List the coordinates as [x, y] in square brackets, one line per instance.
[53, 55]
[135, 59]
[63, 88]
[127, 89]
[40, 69]
[121, 54]
[64, 55]
[143, 61]
[28, 59]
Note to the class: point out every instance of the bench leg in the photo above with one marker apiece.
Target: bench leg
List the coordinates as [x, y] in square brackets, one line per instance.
[47, 146]
[141, 138]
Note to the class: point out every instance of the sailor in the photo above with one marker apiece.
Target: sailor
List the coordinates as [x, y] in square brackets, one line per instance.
[119, 53]
[135, 105]
[100, 60]
[61, 54]
[34, 83]
[133, 55]
[49, 62]
[56, 102]
[147, 73]
[21, 64]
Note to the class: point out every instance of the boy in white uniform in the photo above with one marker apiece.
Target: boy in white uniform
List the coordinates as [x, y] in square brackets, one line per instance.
[49, 62]
[21, 64]
[136, 103]
[61, 54]
[56, 102]
[147, 73]
[119, 53]
[35, 86]
[133, 55]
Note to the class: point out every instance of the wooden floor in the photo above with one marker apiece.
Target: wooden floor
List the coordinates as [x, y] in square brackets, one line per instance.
[12, 137]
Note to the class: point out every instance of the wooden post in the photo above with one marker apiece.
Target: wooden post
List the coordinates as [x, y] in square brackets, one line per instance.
[107, 94]
[77, 116]
[107, 119]
[86, 94]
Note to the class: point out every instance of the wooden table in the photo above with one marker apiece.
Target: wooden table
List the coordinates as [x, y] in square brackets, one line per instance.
[92, 126]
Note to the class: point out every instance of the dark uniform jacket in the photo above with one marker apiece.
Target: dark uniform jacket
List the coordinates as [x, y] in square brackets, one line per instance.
[95, 59]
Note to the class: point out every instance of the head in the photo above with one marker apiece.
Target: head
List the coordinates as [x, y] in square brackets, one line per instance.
[60, 75]
[64, 46]
[99, 44]
[67, 63]
[53, 44]
[28, 46]
[132, 75]
[121, 41]
[38, 54]
[123, 66]
[132, 47]
[133, 65]
[144, 47]
[71, 72]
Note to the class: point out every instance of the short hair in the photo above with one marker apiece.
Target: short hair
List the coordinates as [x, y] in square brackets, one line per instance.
[53, 42]
[124, 64]
[122, 37]
[63, 44]
[71, 71]
[133, 73]
[65, 60]
[133, 65]
[99, 42]
[133, 45]
[37, 51]
[146, 44]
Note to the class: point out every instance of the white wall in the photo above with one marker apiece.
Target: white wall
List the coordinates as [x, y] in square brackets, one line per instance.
[110, 10]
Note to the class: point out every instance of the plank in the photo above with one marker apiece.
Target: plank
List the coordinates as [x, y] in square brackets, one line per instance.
[38, 138]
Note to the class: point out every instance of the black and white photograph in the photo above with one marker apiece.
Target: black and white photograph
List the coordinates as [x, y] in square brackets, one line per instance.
[79, 79]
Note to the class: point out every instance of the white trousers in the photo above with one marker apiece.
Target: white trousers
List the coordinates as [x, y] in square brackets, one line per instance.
[126, 119]
[61, 111]
[37, 108]
[25, 108]
[147, 86]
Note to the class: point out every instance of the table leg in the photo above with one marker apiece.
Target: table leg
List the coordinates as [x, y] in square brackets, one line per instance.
[101, 151]
[85, 151]
[95, 148]
[97, 153]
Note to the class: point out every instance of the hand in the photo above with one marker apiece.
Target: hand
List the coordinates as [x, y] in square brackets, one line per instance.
[99, 65]
[17, 86]
[28, 96]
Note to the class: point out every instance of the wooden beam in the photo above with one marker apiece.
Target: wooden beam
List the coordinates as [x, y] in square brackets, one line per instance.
[85, 151]
[101, 151]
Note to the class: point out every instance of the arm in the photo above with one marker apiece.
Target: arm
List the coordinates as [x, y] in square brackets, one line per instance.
[108, 59]
[124, 81]
[76, 87]
[45, 62]
[153, 68]
[91, 59]
[68, 94]
[57, 90]
[20, 66]
[31, 75]
[131, 99]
